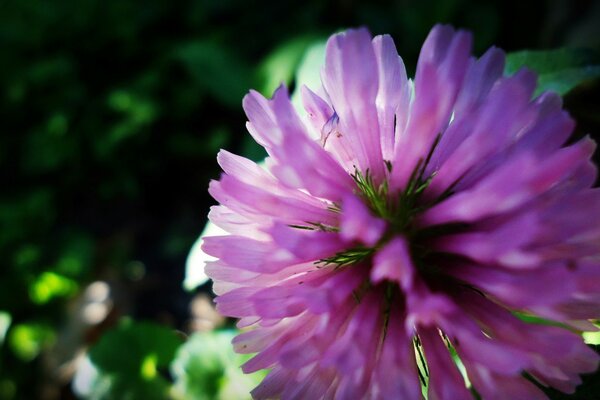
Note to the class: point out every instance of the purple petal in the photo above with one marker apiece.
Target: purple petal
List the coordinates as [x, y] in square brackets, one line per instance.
[479, 79]
[262, 123]
[393, 95]
[473, 137]
[504, 245]
[317, 109]
[350, 78]
[396, 375]
[305, 244]
[445, 381]
[357, 223]
[441, 68]
[252, 201]
[510, 186]
[393, 262]
[249, 254]
[273, 384]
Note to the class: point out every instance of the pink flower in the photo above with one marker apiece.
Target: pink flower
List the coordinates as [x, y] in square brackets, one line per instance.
[405, 231]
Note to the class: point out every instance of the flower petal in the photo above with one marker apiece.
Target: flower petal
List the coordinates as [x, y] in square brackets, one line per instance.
[393, 262]
[441, 68]
[350, 77]
[357, 223]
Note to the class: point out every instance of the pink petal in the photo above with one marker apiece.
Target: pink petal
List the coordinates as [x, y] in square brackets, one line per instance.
[473, 137]
[350, 78]
[441, 68]
[357, 223]
[394, 262]
[445, 381]
[393, 95]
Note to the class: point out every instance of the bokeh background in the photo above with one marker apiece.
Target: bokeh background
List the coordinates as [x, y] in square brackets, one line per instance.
[111, 114]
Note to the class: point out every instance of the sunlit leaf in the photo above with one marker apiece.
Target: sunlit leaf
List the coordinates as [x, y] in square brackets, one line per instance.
[135, 111]
[560, 70]
[309, 70]
[26, 255]
[27, 340]
[197, 259]
[592, 337]
[217, 69]
[130, 359]
[5, 320]
[76, 254]
[206, 368]
[279, 67]
[8, 389]
[50, 285]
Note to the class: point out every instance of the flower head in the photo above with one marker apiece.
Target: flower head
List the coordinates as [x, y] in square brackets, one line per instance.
[439, 232]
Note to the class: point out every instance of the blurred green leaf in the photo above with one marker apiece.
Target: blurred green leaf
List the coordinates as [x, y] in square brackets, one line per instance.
[198, 145]
[560, 70]
[8, 389]
[49, 146]
[75, 257]
[216, 69]
[27, 340]
[309, 70]
[26, 256]
[131, 357]
[206, 368]
[308, 56]
[136, 113]
[593, 337]
[50, 285]
[23, 214]
[280, 65]
[5, 320]
[50, 69]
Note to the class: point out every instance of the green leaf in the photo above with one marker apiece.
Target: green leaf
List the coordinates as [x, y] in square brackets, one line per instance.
[560, 70]
[5, 320]
[50, 285]
[131, 358]
[592, 337]
[206, 368]
[216, 69]
[309, 70]
[28, 340]
[280, 65]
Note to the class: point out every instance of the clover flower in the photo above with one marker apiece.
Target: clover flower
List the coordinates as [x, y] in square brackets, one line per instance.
[440, 234]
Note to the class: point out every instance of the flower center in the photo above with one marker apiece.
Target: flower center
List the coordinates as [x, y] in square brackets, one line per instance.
[397, 209]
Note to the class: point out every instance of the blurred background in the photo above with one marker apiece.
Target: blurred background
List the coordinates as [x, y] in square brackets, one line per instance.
[111, 115]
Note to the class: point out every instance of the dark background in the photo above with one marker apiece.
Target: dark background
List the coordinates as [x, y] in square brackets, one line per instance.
[111, 115]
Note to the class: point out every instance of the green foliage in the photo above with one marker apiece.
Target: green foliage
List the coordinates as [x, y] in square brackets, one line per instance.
[560, 70]
[27, 340]
[206, 368]
[144, 360]
[112, 112]
[281, 65]
[309, 70]
[5, 320]
[49, 285]
[593, 337]
[131, 360]
[216, 69]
